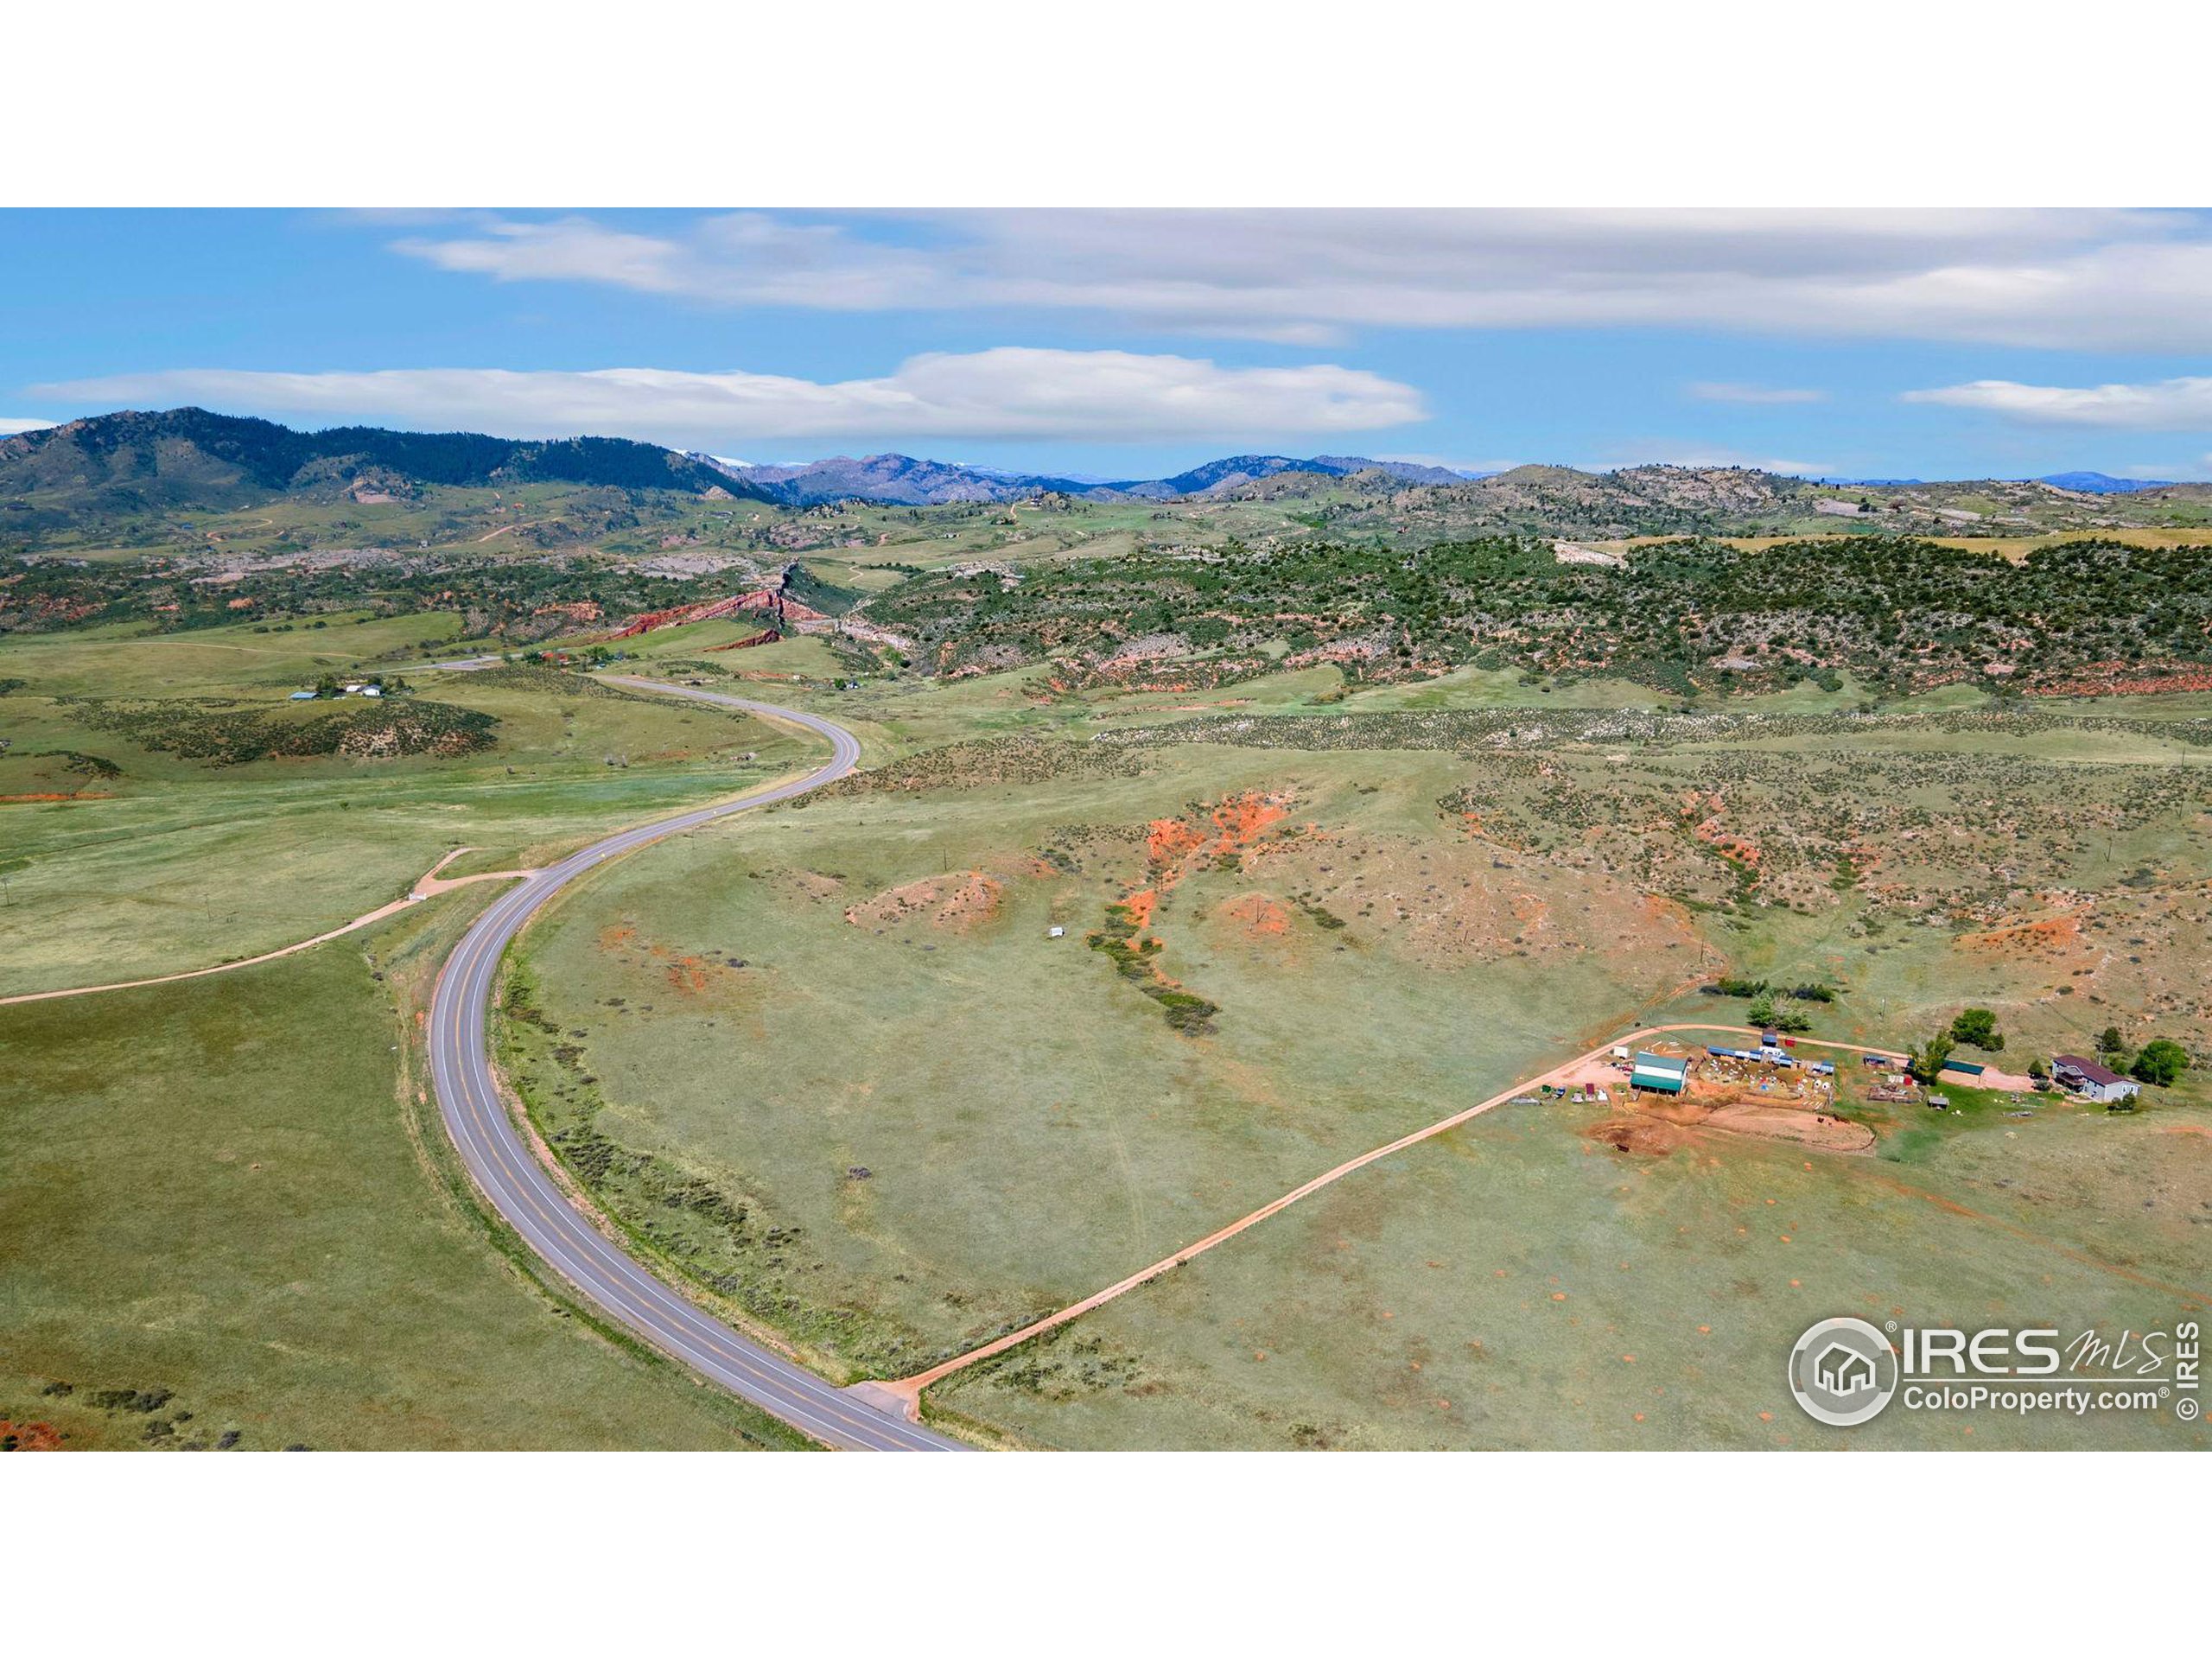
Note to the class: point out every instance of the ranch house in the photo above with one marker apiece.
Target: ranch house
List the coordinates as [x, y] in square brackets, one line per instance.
[2087, 1078]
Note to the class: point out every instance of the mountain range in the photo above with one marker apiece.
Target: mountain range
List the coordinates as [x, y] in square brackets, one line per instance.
[2103, 483]
[130, 464]
[190, 459]
[905, 481]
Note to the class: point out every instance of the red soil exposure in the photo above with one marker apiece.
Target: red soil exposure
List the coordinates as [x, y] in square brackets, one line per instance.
[764, 599]
[1261, 917]
[583, 613]
[1656, 1129]
[692, 975]
[2123, 680]
[30, 1437]
[1726, 843]
[1172, 844]
[959, 900]
[1169, 840]
[1646, 1138]
[1530, 912]
[2024, 939]
[766, 637]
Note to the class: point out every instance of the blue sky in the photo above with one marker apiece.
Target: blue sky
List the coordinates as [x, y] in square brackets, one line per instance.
[1131, 344]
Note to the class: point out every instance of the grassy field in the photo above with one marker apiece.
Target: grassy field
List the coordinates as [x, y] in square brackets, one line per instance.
[152, 861]
[1005, 1123]
[828, 1061]
[205, 1243]
[1518, 1284]
[978, 1062]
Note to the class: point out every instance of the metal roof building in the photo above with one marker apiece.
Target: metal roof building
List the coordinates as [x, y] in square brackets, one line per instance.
[1668, 1075]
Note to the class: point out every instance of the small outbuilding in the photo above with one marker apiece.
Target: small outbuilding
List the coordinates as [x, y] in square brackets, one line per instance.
[1664, 1074]
[2088, 1078]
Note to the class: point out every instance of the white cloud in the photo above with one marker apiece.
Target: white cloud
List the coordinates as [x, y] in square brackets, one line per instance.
[14, 423]
[1008, 392]
[746, 258]
[1735, 391]
[2071, 278]
[2175, 405]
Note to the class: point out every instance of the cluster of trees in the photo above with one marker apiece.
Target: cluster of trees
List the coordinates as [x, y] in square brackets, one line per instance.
[1977, 1028]
[1889, 609]
[390, 686]
[1765, 1011]
[1735, 985]
[1974, 1028]
[2160, 1061]
[1770, 1003]
[195, 453]
[520, 595]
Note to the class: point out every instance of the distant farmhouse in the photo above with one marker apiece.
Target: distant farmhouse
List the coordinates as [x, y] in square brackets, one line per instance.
[330, 688]
[2088, 1078]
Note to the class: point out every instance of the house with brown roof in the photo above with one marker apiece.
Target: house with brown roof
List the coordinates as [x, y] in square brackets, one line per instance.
[2086, 1077]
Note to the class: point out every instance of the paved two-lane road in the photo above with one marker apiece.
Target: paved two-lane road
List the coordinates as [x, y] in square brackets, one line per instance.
[526, 1195]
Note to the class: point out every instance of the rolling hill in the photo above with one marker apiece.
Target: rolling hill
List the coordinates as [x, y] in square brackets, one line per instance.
[907, 481]
[189, 460]
[136, 476]
[900, 479]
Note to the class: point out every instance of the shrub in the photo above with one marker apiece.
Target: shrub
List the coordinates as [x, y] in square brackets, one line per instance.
[1977, 1028]
[362, 731]
[1727, 985]
[2161, 1062]
[1928, 1063]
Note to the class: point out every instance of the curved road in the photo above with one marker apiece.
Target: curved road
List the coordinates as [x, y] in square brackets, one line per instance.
[520, 1188]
